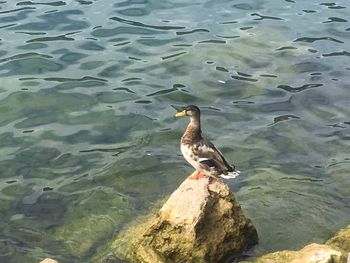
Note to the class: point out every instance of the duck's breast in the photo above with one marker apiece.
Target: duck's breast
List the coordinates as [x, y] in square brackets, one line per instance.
[187, 152]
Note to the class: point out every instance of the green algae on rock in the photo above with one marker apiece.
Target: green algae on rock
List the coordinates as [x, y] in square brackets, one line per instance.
[200, 222]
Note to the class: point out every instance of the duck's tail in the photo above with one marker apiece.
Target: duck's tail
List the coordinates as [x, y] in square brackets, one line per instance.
[230, 175]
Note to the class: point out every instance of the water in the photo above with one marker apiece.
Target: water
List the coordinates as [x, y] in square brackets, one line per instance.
[88, 136]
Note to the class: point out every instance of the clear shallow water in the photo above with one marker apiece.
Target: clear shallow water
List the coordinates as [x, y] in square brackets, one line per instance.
[88, 136]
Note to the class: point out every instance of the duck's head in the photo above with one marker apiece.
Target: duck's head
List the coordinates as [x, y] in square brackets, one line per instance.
[190, 110]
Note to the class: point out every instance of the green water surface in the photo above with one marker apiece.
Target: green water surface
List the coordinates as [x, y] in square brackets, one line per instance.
[88, 137]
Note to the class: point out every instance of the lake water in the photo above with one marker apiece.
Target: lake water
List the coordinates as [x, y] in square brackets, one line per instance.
[88, 136]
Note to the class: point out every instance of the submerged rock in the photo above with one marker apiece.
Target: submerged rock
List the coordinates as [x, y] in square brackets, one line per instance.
[80, 237]
[200, 222]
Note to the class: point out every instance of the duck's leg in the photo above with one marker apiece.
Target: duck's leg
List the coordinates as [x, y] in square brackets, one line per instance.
[196, 175]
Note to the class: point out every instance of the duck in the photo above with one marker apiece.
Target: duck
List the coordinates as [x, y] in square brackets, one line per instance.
[201, 153]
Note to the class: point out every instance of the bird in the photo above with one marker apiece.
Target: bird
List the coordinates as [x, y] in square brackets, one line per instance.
[200, 152]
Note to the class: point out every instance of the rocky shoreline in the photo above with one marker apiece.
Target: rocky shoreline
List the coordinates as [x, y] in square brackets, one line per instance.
[202, 222]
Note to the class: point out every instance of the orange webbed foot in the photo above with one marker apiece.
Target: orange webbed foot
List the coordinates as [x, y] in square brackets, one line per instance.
[196, 175]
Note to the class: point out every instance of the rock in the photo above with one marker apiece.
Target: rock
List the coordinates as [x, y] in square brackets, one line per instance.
[48, 260]
[112, 259]
[312, 253]
[341, 241]
[336, 250]
[200, 222]
[316, 253]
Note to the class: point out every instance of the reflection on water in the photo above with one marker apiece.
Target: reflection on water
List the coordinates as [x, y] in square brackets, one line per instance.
[87, 134]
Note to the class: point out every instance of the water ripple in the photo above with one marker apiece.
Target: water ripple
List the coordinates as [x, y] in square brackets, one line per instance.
[298, 89]
[55, 38]
[58, 20]
[333, 6]
[282, 118]
[228, 37]
[310, 66]
[192, 31]
[334, 54]
[244, 74]
[303, 179]
[16, 10]
[30, 65]
[162, 92]
[244, 6]
[125, 89]
[246, 28]
[212, 41]
[123, 31]
[156, 42]
[309, 11]
[24, 55]
[228, 22]
[131, 79]
[57, 79]
[31, 33]
[122, 44]
[143, 101]
[57, 3]
[313, 39]
[83, 2]
[223, 69]
[244, 78]
[6, 26]
[286, 48]
[135, 23]
[262, 17]
[173, 55]
[268, 76]
[133, 12]
[335, 19]
[114, 150]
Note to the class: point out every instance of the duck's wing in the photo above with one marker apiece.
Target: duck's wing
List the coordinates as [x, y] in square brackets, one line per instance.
[210, 156]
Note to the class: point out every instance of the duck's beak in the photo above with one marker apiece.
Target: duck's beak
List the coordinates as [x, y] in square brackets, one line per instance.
[180, 113]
